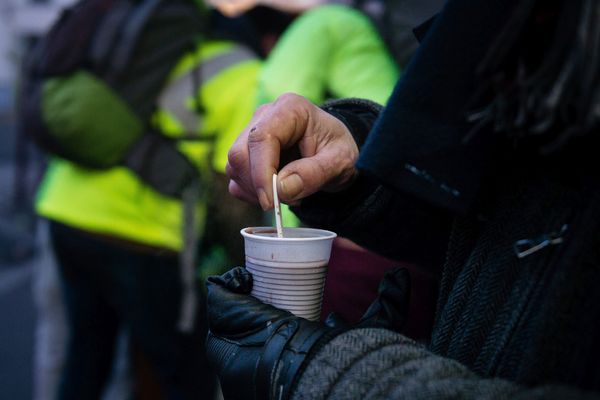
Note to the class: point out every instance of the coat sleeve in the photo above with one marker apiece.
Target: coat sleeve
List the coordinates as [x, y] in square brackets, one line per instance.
[391, 223]
[380, 364]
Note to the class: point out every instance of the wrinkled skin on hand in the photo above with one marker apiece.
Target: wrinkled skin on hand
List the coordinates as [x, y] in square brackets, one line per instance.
[325, 153]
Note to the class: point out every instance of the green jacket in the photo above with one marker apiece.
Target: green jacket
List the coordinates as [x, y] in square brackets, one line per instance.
[330, 51]
[115, 202]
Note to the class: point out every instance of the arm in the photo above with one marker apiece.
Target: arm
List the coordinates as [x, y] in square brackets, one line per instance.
[261, 352]
[408, 228]
[355, 206]
[333, 51]
[380, 364]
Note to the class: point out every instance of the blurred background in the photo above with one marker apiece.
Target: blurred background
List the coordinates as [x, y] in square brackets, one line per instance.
[29, 286]
[22, 247]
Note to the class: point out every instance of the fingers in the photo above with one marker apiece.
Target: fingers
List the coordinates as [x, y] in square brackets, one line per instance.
[326, 149]
[238, 191]
[231, 310]
[327, 163]
[237, 280]
[238, 165]
[279, 127]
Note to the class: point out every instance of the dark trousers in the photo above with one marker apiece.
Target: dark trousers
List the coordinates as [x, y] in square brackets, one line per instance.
[107, 288]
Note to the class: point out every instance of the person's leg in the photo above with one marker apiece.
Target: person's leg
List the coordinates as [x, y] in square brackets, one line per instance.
[93, 324]
[51, 326]
[153, 308]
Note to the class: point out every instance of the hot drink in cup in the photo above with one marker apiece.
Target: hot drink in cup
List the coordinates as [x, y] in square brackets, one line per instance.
[289, 272]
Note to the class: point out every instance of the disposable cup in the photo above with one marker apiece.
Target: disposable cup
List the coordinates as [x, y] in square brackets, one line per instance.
[299, 295]
[289, 289]
[287, 282]
[310, 316]
[307, 310]
[289, 272]
[291, 305]
[302, 299]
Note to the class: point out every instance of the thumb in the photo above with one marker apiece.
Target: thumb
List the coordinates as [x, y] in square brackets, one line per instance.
[327, 163]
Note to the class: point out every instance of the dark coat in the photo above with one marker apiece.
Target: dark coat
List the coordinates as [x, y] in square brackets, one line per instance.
[519, 269]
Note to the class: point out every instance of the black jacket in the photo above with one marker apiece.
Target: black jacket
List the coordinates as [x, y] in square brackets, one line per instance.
[514, 235]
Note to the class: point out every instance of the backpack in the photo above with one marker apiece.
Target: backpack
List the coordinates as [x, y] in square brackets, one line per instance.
[90, 86]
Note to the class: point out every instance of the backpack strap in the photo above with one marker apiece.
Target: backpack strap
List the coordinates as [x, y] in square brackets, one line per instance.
[156, 160]
[107, 35]
[188, 257]
[170, 98]
[131, 33]
[158, 163]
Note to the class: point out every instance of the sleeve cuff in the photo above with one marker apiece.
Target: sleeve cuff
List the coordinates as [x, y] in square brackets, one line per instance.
[358, 115]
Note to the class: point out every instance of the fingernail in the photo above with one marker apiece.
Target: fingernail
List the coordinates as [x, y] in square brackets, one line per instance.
[263, 199]
[291, 186]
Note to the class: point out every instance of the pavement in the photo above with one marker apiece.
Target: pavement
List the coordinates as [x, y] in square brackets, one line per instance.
[21, 251]
[17, 316]
[31, 348]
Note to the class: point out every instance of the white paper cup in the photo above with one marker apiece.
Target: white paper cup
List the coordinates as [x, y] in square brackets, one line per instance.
[297, 299]
[289, 272]
[286, 282]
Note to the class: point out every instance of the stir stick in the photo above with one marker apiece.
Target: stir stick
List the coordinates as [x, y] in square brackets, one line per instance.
[277, 208]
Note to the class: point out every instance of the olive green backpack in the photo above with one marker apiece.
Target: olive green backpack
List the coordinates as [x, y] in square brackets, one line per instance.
[90, 86]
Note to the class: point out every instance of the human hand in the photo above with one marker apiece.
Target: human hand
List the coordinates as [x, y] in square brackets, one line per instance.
[326, 152]
[256, 349]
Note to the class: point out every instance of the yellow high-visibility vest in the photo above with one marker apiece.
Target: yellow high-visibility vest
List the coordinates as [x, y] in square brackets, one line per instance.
[115, 202]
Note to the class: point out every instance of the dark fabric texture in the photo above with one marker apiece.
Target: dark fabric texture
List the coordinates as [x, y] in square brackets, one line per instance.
[353, 276]
[518, 307]
[531, 320]
[366, 364]
[418, 148]
[108, 288]
[421, 235]
[357, 114]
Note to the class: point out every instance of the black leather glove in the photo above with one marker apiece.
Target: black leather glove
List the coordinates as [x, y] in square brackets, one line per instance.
[388, 310]
[256, 349]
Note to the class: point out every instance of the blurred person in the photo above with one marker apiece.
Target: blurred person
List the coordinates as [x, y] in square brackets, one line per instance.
[329, 51]
[119, 242]
[316, 50]
[482, 169]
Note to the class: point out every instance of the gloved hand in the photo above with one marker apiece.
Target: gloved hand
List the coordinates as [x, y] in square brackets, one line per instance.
[257, 349]
[388, 310]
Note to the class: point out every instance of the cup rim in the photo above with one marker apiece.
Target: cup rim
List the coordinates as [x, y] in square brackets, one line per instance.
[323, 234]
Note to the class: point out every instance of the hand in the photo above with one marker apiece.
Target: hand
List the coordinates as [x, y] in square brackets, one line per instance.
[388, 310]
[326, 153]
[256, 349]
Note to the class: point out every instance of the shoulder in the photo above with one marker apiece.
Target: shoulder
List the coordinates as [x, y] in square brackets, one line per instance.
[331, 16]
